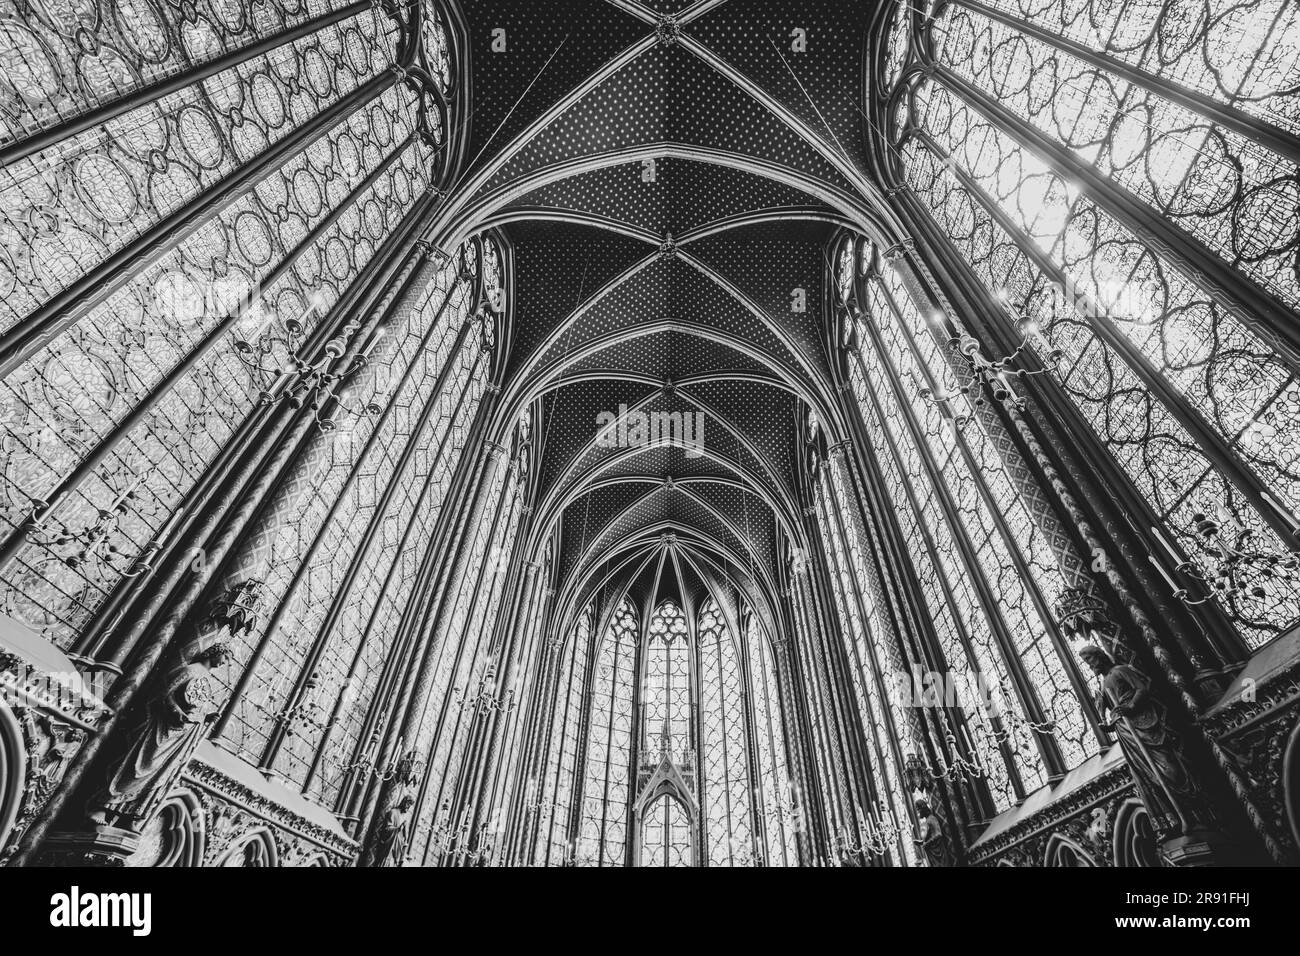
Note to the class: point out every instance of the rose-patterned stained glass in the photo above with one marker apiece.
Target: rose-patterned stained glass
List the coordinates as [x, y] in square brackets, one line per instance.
[1242, 53]
[724, 744]
[607, 781]
[561, 780]
[62, 60]
[1161, 362]
[66, 209]
[666, 834]
[666, 697]
[244, 202]
[1207, 180]
[775, 793]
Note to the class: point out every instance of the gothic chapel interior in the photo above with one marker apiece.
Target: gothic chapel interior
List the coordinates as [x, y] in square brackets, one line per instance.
[662, 433]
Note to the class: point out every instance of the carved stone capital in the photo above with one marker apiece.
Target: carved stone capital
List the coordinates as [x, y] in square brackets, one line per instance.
[101, 846]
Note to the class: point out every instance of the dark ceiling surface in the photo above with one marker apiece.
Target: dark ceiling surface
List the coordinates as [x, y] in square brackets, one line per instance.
[673, 292]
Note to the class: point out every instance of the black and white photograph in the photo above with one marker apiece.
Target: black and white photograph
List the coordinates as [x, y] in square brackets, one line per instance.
[506, 434]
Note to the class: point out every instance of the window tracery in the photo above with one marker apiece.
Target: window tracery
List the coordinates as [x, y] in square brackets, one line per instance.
[607, 787]
[970, 533]
[724, 744]
[776, 796]
[153, 257]
[562, 780]
[1114, 173]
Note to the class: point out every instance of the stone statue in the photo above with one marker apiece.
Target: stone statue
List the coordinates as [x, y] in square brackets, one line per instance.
[175, 719]
[932, 839]
[1153, 751]
[394, 833]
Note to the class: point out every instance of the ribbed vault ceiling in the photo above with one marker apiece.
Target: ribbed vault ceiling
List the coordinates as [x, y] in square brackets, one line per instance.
[674, 295]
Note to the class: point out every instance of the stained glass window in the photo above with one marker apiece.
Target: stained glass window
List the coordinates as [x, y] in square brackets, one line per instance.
[979, 554]
[1112, 174]
[813, 683]
[466, 682]
[150, 260]
[164, 259]
[565, 741]
[874, 664]
[667, 701]
[775, 792]
[666, 834]
[724, 744]
[607, 787]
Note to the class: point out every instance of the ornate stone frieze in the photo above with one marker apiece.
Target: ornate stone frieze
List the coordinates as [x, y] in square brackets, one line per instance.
[235, 813]
[47, 712]
[1254, 725]
[1084, 819]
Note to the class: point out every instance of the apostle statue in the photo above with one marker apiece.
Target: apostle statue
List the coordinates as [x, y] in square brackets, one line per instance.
[174, 721]
[932, 839]
[394, 833]
[1154, 753]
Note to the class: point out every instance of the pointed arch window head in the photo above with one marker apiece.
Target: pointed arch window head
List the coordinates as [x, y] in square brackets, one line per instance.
[429, 69]
[688, 676]
[484, 264]
[666, 834]
[844, 270]
[668, 698]
[435, 47]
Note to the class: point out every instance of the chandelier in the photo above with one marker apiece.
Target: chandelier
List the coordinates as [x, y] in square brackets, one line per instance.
[484, 696]
[1238, 568]
[276, 360]
[877, 833]
[985, 376]
[405, 766]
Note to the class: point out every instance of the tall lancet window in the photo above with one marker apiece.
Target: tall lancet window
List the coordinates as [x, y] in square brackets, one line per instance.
[562, 779]
[470, 683]
[666, 711]
[607, 781]
[876, 666]
[194, 200]
[724, 738]
[666, 834]
[988, 576]
[344, 564]
[775, 793]
[1125, 179]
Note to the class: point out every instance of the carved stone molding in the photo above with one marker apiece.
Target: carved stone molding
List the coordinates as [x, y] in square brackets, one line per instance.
[1255, 729]
[1083, 820]
[234, 813]
[47, 713]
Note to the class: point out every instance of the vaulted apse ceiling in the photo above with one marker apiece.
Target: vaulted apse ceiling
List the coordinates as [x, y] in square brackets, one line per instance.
[673, 292]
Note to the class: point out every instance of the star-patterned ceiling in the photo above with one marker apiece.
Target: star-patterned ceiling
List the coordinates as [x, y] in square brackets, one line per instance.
[667, 175]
